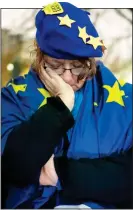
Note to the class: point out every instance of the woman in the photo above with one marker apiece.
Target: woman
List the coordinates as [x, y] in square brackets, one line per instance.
[58, 141]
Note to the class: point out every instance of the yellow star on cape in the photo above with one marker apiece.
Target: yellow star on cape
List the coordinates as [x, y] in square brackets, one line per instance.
[95, 41]
[115, 94]
[121, 82]
[46, 95]
[82, 34]
[66, 21]
[17, 88]
[95, 104]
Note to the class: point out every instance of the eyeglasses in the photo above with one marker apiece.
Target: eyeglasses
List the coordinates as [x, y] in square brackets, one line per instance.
[60, 69]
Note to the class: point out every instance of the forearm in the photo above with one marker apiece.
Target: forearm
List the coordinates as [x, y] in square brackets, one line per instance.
[31, 144]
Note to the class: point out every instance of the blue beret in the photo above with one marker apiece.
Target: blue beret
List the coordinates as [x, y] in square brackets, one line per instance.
[66, 32]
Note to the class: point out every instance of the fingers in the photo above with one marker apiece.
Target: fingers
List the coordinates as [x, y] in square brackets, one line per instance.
[50, 86]
[50, 78]
[52, 74]
[52, 81]
[45, 77]
[49, 75]
[44, 74]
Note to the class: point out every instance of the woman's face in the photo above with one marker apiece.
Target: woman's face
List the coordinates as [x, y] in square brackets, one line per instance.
[68, 70]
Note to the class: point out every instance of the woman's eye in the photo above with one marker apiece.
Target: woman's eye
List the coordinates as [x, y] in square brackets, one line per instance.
[77, 65]
[57, 66]
[53, 67]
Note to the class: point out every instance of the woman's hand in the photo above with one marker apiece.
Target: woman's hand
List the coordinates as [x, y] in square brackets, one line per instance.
[57, 87]
[48, 174]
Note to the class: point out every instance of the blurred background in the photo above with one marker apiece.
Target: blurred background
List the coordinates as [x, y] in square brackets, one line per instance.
[113, 25]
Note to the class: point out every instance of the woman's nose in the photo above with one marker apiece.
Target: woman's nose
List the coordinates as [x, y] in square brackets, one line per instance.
[67, 77]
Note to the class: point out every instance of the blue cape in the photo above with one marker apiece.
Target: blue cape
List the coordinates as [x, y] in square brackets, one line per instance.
[103, 114]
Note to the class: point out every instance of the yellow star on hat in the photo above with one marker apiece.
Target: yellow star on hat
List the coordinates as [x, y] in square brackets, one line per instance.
[66, 21]
[95, 41]
[83, 34]
[115, 94]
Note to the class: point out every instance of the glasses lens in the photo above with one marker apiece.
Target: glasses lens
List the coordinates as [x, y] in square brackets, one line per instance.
[59, 70]
[77, 71]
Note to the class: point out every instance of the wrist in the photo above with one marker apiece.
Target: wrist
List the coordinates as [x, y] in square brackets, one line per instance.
[69, 103]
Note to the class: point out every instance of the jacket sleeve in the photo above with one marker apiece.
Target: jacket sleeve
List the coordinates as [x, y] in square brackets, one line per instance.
[31, 143]
[105, 180]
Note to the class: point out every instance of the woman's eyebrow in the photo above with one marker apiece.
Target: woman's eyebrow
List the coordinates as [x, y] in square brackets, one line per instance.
[77, 63]
[56, 61]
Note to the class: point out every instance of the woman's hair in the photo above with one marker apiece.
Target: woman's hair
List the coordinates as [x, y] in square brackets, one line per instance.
[89, 64]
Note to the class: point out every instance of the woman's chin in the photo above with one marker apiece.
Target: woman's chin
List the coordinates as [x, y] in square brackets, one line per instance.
[74, 88]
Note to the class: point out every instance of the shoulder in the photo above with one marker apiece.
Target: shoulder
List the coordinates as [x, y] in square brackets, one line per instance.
[107, 77]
